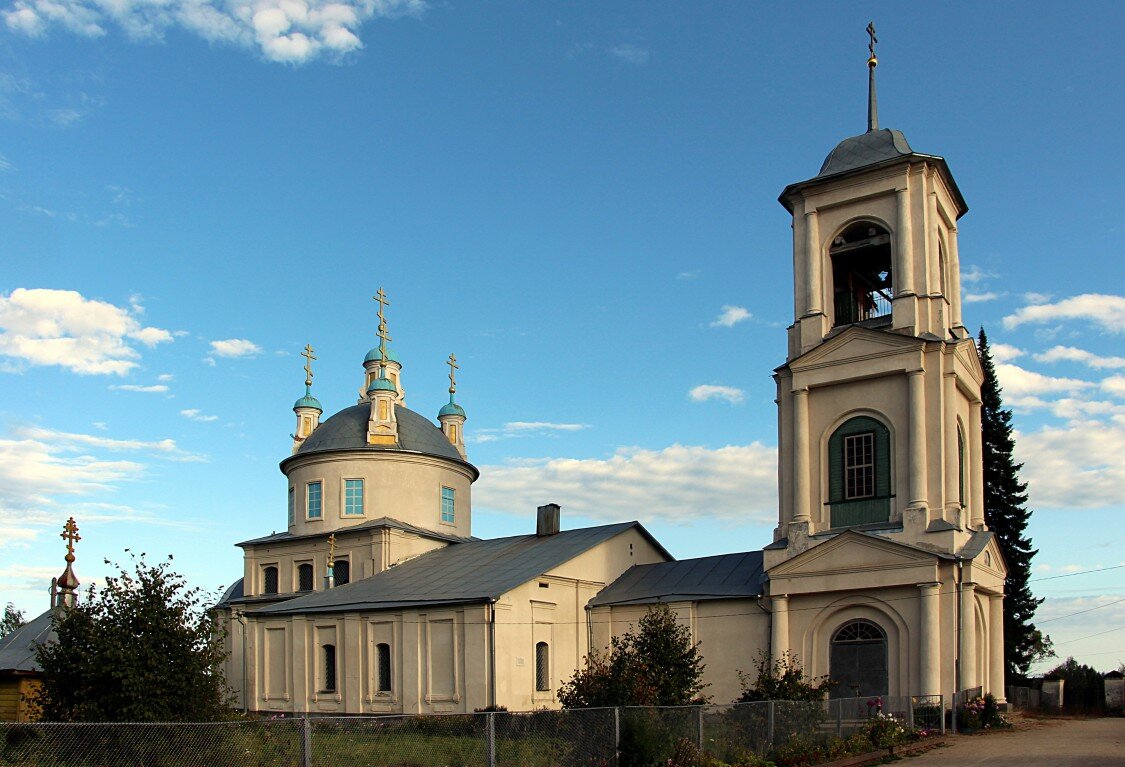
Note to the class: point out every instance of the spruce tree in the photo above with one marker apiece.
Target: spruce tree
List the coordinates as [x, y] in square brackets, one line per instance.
[1006, 514]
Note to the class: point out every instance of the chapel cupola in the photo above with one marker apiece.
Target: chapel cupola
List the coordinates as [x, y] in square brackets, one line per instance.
[307, 408]
[382, 393]
[65, 588]
[452, 416]
[879, 397]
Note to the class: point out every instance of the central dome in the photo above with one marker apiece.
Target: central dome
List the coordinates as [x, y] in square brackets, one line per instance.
[865, 149]
[347, 430]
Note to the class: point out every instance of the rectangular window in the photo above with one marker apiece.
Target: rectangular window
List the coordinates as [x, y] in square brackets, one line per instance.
[447, 505]
[859, 466]
[383, 651]
[292, 506]
[314, 498]
[542, 667]
[353, 497]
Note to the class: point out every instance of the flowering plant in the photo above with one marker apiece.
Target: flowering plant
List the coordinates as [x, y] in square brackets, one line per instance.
[885, 731]
[875, 703]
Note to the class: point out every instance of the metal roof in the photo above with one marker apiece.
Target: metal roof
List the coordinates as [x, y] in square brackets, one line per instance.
[472, 572]
[865, 149]
[17, 650]
[347, 430]
[726, 576]
[373, 524]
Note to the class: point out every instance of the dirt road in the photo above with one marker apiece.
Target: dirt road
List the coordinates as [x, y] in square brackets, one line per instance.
[1035, 742]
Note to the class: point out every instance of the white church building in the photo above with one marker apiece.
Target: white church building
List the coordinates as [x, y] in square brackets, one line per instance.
[881, 573]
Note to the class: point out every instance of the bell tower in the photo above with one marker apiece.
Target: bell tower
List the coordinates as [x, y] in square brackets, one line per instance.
[879, 397]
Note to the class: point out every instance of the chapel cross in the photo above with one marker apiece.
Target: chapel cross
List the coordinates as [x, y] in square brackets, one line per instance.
[381, 297]
[453, 368]
[309, 357]
[70, 535]
[871, 34]
[331, 550]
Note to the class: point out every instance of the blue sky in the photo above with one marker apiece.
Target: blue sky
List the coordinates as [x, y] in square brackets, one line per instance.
[578, 199]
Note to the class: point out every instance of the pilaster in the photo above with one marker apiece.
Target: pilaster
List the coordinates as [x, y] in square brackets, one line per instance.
[917, 439]
[779, 626]
[929, 639]
[996, 646]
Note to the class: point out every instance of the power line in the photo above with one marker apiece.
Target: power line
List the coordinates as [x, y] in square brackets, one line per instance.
[1090, 636]
[1080, 612]
[1071, 575]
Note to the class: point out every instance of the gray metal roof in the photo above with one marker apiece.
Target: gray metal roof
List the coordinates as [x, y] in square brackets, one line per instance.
[725, 576]
[373, 524]
[347, 430]
[17, 650]
[476, 571]
[865, 149]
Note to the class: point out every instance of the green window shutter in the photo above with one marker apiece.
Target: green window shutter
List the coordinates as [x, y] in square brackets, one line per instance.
[882, 459]
[836, 467]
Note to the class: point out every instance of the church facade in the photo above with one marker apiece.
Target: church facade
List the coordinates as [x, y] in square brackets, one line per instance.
[881, 574]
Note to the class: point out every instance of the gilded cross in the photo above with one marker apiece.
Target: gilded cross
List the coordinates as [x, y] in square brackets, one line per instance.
[871, 34]
[70, 535]
[331, 549]
[309, 357]
[453, 368]
[381, 297]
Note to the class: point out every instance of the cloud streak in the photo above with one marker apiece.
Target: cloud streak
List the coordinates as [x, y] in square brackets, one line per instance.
[284, 31]
[731, 316]
[1105, 311]
[705, 392]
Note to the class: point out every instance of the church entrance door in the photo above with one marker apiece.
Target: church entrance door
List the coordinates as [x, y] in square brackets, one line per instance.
[858, 660]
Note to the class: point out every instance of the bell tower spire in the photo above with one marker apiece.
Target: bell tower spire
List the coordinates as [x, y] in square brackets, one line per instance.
[872, 62]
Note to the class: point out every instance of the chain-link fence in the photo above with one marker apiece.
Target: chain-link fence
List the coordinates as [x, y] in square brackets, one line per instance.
[605, 737]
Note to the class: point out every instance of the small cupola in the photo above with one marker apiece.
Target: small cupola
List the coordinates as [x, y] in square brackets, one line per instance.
[382, 425]
[452, 416]
[307, 408]
[65, 587]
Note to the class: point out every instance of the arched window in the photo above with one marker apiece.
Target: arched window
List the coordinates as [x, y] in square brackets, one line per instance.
[861, 273]
[341, 572]
[858, 660]
[329, 651]
[304, 577]
[383, 667]
[269, 580]
[542, 667]
[859, 473]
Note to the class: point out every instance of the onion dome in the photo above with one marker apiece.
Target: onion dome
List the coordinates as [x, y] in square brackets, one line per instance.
[382, 384]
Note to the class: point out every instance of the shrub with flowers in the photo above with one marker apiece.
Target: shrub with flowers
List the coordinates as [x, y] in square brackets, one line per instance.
[885, 731]
[980, 713]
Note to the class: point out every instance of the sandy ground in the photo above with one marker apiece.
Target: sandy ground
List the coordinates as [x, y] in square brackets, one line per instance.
[1034, 742]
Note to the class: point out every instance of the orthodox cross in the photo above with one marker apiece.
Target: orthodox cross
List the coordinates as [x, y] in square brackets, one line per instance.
[453, 368]
[381, 297]
[331, 550]
[871, 34]
[70, 535]
[309, 357]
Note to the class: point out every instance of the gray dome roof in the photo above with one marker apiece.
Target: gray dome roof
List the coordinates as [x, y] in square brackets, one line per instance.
[865, 149]
[347, 430]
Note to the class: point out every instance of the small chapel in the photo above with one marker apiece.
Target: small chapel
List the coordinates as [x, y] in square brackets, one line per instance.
[881, 574]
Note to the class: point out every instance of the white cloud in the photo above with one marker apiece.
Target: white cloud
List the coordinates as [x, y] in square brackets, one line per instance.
[288, 31]
[973, 275]
[1114, 385]
[1071, 354]
[705, 392]
[980, 298]
[1076, 465]
[688, 275]
[1106, 311]
[195, 414]
[1004, 352]
[731, 316]
[153, 389]
[1019, 382]
[524, 429]
[5, 164]
[679, 483]
[631, 53]
[62, 440]
[235, 347]
[165, 377]
[61, 327]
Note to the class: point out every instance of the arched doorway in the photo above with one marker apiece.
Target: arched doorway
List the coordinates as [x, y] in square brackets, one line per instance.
[858, 660]
[861, 273]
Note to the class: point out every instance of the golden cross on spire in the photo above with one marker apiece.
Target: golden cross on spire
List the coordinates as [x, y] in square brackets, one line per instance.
[331, 549]
[871, 61]
[309, 357]
[70, 535]
[453, 368]
[384, 337]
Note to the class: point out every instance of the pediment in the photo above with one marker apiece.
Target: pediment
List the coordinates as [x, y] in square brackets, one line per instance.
[852, 552]
[856, 345]
[968, 358]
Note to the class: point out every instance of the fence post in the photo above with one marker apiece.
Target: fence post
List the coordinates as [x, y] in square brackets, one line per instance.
[700, 736]
[491, 739]
[771, 722]
[839, 718]
[910, 707]
[616, 735]
[306, 742]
